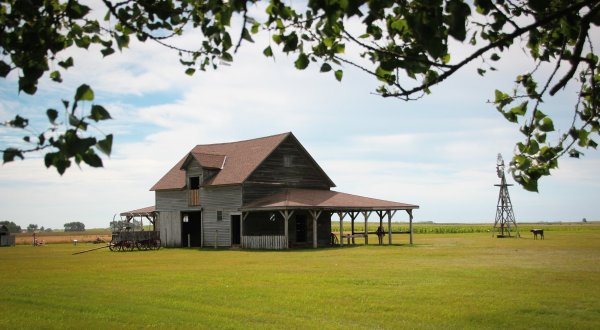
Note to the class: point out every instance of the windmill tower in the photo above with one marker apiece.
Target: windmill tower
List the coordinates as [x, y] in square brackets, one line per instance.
[505, 224]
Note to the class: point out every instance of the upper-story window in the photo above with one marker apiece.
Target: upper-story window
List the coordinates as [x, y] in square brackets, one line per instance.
[194, 182]
[287, 160]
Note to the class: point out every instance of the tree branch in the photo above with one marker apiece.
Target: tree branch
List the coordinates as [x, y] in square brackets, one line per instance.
[497, 43]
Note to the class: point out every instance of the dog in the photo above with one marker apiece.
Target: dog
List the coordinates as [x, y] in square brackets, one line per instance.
[537, 232]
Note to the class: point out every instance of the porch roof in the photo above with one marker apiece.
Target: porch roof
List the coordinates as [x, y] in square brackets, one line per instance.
[292, 198]
[144, 212]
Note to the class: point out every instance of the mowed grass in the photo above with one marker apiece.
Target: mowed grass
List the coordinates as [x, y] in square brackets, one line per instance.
[450, 281]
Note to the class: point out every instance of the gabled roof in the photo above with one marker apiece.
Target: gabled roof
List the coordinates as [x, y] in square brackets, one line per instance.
[205, 160]
[236, 161]
[293, 198]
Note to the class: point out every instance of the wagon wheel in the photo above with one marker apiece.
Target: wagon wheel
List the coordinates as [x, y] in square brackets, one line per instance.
[128, 245]
[112, 246]
[155, 244]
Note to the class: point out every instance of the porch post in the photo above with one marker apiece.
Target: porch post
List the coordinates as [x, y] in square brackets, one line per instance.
[410, 219]
[353, 216]
[315, 215]
[341, 215]
[389, 214]
[366, 216]
[286, 217]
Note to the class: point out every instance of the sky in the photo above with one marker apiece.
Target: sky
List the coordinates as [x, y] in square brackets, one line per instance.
[438, 152]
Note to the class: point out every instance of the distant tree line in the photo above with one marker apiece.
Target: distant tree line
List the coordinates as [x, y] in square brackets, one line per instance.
[12, 227]
[74, 226]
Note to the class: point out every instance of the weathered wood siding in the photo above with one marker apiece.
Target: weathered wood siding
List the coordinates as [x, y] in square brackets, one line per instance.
[7, 240]
[170, 228]
[265, 242]
[271, 175]
[171, 200]
[228, 200]
[193, 169]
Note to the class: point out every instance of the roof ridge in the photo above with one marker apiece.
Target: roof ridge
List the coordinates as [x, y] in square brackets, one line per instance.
[240, 141]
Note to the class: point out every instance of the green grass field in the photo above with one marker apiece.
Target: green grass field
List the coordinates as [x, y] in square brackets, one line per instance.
[450, 281]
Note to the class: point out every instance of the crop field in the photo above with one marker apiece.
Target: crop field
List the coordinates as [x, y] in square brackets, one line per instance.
[444, 280]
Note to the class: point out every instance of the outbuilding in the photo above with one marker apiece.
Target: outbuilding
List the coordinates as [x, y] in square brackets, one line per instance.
[6, 238]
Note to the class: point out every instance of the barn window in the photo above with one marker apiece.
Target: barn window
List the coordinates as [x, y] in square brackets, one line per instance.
[194, 182]
[287, 160]
[185, 218]
[219, 215]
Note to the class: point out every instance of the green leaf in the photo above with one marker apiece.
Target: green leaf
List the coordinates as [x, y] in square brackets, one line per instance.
[533, 147]
[9, 155]
[66, 63]
[99, 113]
[325, 67]
[55, 76]
[107, 51]
[226, 57]
[76, 122]
[91, 158]
[575, 153]
[4, 69]
[19, 122]
[190, 71]
[58, 160]
[494, 57]
[546, 125]
[105, 145]
[339, 74]
[84, 93]
[302, 62]
[520, 110]
[268, 52]
[52, 115]
[246, 35]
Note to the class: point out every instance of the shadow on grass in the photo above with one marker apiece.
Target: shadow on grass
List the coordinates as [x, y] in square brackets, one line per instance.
[303, 249]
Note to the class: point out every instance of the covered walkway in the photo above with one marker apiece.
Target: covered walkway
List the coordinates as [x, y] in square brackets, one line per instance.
[318, 202]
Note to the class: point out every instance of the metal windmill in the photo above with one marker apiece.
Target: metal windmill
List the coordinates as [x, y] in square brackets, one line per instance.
[505, 218]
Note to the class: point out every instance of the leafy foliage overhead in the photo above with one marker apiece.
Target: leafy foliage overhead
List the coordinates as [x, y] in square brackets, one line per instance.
[403, 44]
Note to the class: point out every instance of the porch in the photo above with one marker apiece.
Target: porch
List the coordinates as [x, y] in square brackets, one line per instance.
[302, 218]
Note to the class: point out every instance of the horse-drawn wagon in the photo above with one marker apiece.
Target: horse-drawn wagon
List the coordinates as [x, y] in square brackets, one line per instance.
[130, 233]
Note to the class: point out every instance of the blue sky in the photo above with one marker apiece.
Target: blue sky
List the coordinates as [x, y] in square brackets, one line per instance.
[438, 152]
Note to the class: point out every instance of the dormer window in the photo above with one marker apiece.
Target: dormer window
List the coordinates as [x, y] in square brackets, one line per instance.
[194, 182]
[194, 193]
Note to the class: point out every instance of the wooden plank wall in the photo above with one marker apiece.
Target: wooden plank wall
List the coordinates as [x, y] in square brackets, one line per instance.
[264, 242]
[272, 174]
[227, 199]
[7, 240]
[171, 200]
[170, 228]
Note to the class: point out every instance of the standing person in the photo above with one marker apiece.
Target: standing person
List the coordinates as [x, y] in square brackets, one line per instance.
[380, 233]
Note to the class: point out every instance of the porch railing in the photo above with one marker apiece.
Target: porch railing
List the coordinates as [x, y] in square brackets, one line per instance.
[194, 197]
[266, 242]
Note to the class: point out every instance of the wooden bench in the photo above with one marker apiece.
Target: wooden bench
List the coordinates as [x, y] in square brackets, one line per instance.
[356, 235]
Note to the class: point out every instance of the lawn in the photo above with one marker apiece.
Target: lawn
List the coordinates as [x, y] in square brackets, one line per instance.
[450, 281]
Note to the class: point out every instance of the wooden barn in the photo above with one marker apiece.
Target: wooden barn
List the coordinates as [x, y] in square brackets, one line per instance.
[264, 193]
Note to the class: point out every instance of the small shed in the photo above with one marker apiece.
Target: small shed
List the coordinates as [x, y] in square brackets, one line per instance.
[6, 239]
